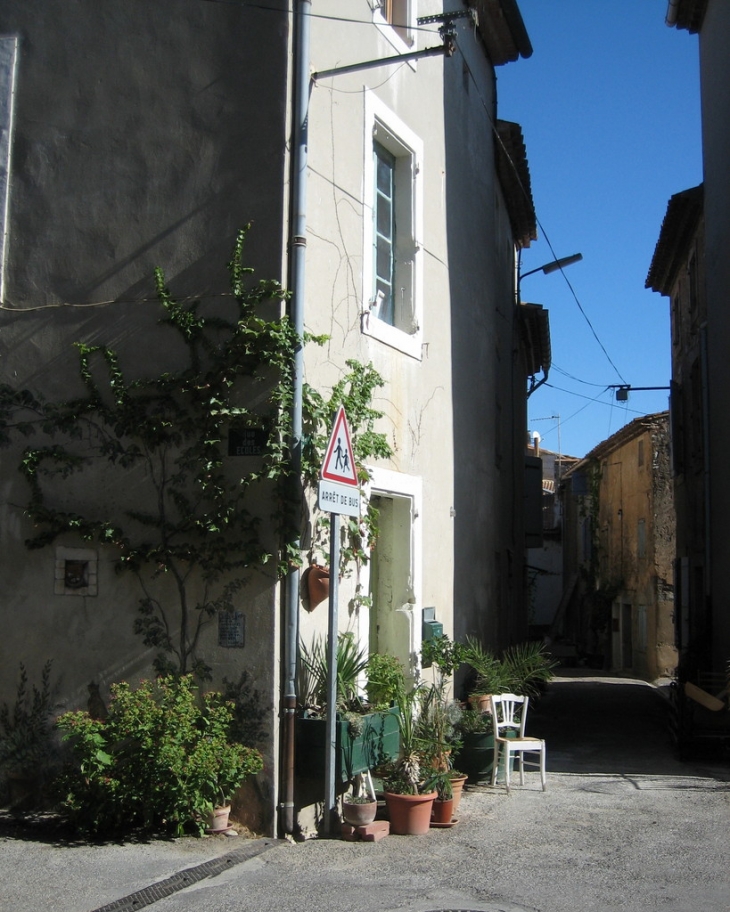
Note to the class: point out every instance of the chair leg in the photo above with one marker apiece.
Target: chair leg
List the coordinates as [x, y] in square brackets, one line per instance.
[495, 764]
[542, 766]
[507, 765]
[522, 767]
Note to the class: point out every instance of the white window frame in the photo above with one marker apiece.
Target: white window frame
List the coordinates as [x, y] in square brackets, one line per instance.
[400, 44]
[384, 127]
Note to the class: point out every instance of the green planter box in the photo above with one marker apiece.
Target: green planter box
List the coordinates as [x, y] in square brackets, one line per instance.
[378, 742]
[476, 756]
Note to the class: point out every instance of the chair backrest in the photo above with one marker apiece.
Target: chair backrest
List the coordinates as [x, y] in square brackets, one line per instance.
[509, 711]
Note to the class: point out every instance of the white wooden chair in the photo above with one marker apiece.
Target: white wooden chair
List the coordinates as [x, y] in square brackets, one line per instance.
[509, 712]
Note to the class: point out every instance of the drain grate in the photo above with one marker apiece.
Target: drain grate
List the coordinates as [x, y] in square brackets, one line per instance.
[189, 876]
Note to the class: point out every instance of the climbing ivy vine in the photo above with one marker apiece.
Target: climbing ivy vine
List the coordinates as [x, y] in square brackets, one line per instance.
[192, 518]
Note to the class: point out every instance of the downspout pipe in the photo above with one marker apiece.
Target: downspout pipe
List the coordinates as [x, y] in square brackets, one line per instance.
[297, 251]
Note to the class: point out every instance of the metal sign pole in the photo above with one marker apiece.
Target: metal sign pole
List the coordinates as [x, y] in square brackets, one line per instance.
[330, 769]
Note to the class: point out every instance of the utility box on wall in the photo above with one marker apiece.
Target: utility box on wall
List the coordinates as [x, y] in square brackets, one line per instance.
[431, 629]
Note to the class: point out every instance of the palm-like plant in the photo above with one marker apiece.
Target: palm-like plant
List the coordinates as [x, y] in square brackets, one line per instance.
[404, 776]
[528, 667]
[490, 673]
[351, 663]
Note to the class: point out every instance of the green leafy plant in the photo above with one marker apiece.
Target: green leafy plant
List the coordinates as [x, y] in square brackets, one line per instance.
[357, 799]
[490, 675]
[524, 668]
[351, 664]
[528, 668]
[187, 526]
[385, 678]
[250, 713]
[26, 734]
[438, 781]
[474, 721]
[438, 712]
[159, 761]
[189, 530]
[404, 775]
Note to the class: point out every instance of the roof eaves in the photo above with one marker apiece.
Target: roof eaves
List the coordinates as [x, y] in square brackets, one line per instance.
[679, 226]
[502, 29]
[629, 432]
[513, 172]
[536, 336]
[686, 14]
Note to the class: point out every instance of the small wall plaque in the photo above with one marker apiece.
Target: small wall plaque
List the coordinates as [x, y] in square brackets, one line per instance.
[247, 442]
[231, 629]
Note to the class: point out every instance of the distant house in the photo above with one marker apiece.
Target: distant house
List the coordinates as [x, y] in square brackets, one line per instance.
[545, 561]
[618, 542]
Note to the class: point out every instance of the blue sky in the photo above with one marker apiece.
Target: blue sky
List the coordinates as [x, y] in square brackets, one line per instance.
[610, 112]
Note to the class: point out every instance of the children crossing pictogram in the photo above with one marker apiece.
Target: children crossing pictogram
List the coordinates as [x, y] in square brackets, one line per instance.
[339, 460]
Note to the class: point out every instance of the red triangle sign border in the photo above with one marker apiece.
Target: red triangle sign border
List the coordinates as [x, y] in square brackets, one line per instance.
[339, 461]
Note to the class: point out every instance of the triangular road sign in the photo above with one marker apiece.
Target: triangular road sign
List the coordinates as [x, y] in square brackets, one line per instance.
[339, 461]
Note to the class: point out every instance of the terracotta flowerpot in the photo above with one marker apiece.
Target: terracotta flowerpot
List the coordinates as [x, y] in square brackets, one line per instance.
[457, 786]
[443, 810]
[318, 584]
[218, 819]
[409, 815]
[359, 814]
[482, 702]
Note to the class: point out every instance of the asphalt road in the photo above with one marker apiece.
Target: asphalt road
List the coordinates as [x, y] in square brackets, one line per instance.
[622, 827]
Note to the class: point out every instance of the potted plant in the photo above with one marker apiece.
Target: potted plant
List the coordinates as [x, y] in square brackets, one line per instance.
[366, 736]
[488, 674]
[442, 811]
[231, 765]
[476, 753]
[525, 669]
[162, 759]
[438, 712]
[359, 810]
[408, 797]
[528, 668]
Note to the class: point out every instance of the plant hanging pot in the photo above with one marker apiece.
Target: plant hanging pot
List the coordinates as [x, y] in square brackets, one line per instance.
[409, 815]
[318, 584]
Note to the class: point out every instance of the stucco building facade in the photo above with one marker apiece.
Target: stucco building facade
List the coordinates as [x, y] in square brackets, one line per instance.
[137, 137]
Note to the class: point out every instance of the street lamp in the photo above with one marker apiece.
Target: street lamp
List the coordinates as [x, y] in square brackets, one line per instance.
[552, 266]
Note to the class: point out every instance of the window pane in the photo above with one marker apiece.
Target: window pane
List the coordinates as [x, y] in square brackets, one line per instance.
[384, 215]
[386, 164]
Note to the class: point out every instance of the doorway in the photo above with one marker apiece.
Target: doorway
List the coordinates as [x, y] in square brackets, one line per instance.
[394, 617]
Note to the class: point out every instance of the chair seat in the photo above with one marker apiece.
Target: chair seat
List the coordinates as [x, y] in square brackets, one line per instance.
[522, 743]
